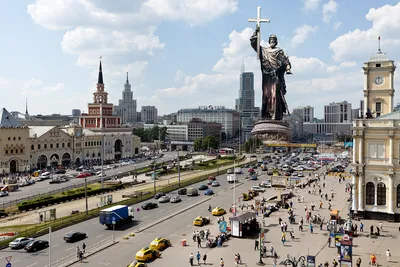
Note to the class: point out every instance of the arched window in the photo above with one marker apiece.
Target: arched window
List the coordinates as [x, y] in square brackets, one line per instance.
[370, 194]
[381, 194]
[398, 195]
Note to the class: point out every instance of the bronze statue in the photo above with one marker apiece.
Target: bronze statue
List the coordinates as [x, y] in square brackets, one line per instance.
[274, 64]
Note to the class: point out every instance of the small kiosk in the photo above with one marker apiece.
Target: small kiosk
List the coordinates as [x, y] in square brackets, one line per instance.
[244, 224]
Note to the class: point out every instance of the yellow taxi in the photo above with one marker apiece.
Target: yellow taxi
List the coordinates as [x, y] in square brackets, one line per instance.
[200, 221]
[137, 264]
[160, 243]
[218, 211]
[147, 254]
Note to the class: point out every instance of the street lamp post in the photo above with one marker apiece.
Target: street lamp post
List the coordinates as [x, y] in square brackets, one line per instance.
[179, 171]
[49, 247]
[260, 262]
[350, 200]
[102, 146]
[86, 198]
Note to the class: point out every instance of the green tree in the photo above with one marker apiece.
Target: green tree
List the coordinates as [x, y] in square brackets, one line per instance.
[210, 142]
[251, 144]
[163, 133]
[198, 144]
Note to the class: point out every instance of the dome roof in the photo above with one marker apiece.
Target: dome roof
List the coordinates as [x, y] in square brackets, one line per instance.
[379, 57]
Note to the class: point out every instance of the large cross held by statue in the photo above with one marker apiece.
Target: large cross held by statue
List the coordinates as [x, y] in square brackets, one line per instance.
[258, 20]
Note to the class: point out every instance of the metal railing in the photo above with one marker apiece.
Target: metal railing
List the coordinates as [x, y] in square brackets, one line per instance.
[90, 250]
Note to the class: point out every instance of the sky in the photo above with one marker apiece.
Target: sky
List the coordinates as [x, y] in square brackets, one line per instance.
[186, 53]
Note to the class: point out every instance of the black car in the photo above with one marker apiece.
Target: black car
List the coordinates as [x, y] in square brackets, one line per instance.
[149, 205]
[158, 195]
[74, 236]
[182, 191]
[203, 187]
[36, 245]
[60, 171]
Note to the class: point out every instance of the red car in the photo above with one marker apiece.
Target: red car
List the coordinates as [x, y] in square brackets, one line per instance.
[81, 175]
[212, 178]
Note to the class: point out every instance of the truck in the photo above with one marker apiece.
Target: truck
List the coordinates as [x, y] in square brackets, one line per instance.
[121, 214]
[231, 178]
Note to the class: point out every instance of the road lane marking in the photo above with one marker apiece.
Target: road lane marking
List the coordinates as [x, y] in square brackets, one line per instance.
[103, 263]
[14, 261]
[69, 248]
[54, 245]
[99, 236]
[32, 264]
[162, 210]
[144, 217]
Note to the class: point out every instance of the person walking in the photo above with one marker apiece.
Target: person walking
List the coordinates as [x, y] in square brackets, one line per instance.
[239, 259]
[274, 261]
[84, 248]
[78, 252]
[329, 241]
[311, 228]
[283, 238]
[191, 258]
[362, 227]
[236, 260]
[205, 259]
[198, 257]
[358, 262]
[256, 244]
[221, 262]
[388, 254]
[381, 226]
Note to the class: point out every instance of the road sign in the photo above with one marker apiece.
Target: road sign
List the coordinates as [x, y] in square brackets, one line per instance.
[138, 209]
[8, 264]
[8, 259]
[113, 220]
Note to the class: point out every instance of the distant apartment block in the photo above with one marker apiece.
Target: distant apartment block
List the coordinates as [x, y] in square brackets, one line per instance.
[306, 113]
[149, 114]
[337, 112]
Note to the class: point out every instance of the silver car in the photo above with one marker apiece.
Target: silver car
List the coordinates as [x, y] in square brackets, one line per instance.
[175, 199]
[163, 199]
[20, 242]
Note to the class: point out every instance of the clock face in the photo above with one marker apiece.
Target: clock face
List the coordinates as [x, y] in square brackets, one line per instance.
[379, 80]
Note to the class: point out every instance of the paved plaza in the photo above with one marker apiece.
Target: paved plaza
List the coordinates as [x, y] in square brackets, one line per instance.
[304, 243]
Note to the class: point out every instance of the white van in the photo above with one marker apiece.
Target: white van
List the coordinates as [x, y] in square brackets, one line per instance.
[285, 167]
[231, 179]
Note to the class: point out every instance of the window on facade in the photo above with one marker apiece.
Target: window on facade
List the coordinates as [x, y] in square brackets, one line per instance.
[378, 108]
[381, 194]
[93, 155]
[370, 194]
[68, 144]
[13, 138]
[62, 145]
[85, 143]
[19, 138]
[45, 146]
[9, 138]
[398, 195]
[12, 151]
[32, 147]
[51, 145]
[376, 150]
[6, 151]
[87, 155]
[99, 154]
[57, 145]
[38, 146]
[21, 151]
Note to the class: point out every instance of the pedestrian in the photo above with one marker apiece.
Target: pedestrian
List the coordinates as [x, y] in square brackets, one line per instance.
[264, 251]
[194, 236]
[311, 228]
[84, 248]
[191, 258]
[256, 244]
[329, 241]
[239, 258]
[81, 256]
[371, 230]
[205, 258]
[221, 262]
[362, 227]
[198, 242]
[380, 226]
[78, 252]
[302, 198]
[283, 239]
[358, 262]
[198, 257]
[274, 261]
[388, 254]
[236, 260]
[271, 251]
[320, 205]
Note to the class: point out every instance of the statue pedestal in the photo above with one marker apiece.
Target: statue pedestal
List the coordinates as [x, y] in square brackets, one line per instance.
[272, 132]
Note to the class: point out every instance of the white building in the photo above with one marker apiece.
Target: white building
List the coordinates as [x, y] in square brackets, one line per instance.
[306, 113]
[126, 108]
[229, 118]
[149, 114]
[175, 132]
[337, 112]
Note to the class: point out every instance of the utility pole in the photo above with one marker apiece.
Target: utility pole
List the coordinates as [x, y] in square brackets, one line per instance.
[86, 198]
[49, 247]
[102, 146]
[179, 171]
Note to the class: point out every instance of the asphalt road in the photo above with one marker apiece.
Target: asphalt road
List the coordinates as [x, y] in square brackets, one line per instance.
[97, 232]
[123, 253]
[44, 186]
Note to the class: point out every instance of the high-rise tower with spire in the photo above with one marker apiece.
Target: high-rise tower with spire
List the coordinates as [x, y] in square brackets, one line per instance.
[100, 112]
[127, 108]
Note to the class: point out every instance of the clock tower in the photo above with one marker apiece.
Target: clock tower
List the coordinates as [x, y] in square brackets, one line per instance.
[378, 85]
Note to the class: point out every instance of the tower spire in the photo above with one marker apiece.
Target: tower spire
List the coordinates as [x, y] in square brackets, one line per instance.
[26, 106]
[243, 66]
[127, 78]
[100, 79]
[379, 44]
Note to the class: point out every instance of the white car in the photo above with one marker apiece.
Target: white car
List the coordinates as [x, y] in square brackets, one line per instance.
[101, 174]
[44, 176]
[3, 193]
[20, 242]
[257, 188]
[298, 169]
[266, 184]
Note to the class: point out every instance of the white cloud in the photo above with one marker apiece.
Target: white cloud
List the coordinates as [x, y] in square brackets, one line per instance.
[311, 4]
[337, 25]
[328, 10]
[179, 75]
[302, 34]
[348, 64]
[385, 23]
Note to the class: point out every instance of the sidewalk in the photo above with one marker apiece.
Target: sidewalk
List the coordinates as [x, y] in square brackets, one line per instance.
[64, 209]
